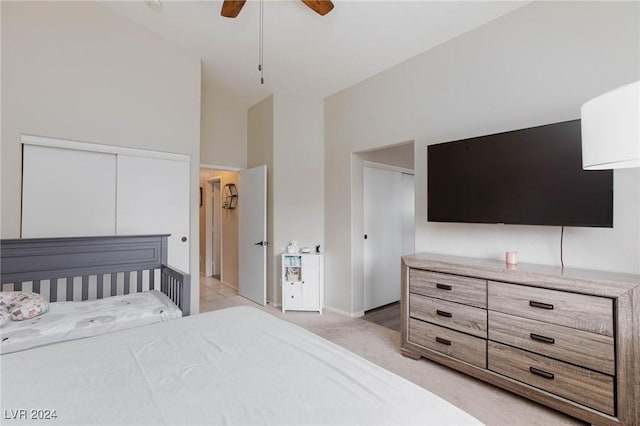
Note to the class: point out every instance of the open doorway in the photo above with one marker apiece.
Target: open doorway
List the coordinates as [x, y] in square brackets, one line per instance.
[384, 224]
[218, 228]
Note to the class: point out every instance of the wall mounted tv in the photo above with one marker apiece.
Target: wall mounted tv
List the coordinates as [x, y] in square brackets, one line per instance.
[531, 176]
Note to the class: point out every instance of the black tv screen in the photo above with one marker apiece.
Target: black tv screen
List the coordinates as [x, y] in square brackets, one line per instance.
[531, 176]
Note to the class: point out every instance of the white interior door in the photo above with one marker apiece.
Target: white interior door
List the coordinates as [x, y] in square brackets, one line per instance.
[252, 205]
[67, 192]
[153, 197]
[382, 192]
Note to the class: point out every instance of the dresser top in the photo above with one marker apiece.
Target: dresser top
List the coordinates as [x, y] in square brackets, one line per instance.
[599, 283]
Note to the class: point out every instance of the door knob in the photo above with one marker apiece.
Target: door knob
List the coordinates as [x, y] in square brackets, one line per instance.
[261, 243]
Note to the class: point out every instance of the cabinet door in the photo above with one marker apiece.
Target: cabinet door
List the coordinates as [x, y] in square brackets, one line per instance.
[67, 192]
[153, 197]
[292, 295]
[310, 284]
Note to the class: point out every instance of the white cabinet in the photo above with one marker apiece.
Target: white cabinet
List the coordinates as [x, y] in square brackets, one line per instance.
[302, 282]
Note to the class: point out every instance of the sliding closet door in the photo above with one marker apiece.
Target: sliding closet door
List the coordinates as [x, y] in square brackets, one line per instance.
[382, 193]
[153, 197]
[67, 192]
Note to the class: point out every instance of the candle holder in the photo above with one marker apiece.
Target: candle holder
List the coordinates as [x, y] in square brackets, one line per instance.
[511, 258]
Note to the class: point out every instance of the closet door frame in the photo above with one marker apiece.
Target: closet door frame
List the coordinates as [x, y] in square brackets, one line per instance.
[93, 147]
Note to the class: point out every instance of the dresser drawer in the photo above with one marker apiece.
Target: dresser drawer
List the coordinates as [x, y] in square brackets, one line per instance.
[460, 317]
[589, 313]
[472, 350]
[469, 291]
[582, 348]
[574, 383]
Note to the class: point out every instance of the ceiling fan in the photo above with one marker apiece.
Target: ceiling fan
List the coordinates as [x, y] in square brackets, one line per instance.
[231, 8]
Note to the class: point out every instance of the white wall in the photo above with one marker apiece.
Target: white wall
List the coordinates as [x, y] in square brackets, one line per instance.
[534, 66]
[298, 169]
[223, 138]
[286, 133]
[78, 71]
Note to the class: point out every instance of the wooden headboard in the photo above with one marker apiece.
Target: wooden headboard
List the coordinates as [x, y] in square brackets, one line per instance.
[79, 268]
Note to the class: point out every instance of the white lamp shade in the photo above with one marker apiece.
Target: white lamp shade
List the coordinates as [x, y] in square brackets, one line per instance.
[611, 129]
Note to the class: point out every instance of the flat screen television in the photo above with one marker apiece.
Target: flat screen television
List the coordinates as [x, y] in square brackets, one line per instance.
[531, 176]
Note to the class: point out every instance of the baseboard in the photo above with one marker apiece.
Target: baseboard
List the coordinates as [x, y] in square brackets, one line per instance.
[344, 313]
[229, 285]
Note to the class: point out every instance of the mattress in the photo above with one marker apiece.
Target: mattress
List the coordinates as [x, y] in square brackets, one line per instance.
[237, 366]
[75, 320]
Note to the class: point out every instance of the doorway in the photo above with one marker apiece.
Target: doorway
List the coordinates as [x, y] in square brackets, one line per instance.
[388, 206]
[218, 228]
[383, 199]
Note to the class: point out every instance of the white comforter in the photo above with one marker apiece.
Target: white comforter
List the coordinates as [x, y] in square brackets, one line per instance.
[76, 320]
[238, 366]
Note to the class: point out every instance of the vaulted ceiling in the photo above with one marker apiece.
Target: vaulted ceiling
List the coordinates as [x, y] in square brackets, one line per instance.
[305, 53]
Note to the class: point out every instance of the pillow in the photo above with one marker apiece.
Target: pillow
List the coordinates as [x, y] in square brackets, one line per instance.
[4, 317]
[21, 306]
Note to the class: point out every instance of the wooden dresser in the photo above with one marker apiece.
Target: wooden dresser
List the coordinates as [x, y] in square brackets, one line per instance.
[569, 339]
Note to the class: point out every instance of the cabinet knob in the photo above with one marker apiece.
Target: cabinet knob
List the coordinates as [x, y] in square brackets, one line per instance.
[292, 296]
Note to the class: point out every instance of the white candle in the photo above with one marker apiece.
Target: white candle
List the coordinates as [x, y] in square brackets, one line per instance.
[511, 257]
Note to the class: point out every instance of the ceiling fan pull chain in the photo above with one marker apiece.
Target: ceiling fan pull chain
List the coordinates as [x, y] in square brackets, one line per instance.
[261, 43]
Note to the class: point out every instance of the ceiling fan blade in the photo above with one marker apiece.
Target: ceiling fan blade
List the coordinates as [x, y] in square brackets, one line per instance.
[321, 7]
[231, 8]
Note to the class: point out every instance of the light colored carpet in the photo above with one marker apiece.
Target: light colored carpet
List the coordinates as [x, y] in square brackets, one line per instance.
[380, 345]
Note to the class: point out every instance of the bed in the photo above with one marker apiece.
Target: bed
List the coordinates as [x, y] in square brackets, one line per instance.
[91, 285]
[233, 366]
[238, 366]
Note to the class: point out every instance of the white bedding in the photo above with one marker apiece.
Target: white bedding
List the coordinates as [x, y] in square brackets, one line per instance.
[236, 366]
[75, 320]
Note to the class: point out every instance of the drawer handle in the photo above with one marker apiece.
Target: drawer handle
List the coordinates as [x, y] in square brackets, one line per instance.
[443, 286]
[541, 373]
[540, 305]
[543, 339]
[443, 313]
[443, 341]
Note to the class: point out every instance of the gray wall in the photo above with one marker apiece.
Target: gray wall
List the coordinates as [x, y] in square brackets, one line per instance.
[534, 66]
